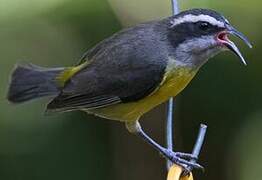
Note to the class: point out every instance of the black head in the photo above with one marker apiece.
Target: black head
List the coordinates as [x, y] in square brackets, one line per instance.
[202, 32]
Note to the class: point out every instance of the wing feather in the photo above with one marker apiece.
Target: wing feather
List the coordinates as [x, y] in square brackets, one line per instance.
[124, 68]
[81, 101]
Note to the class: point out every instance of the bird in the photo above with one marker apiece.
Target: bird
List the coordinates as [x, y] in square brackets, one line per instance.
[131, 72]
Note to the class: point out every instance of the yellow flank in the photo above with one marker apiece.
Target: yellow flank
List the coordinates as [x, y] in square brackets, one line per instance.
[173, 83]
[68, 73]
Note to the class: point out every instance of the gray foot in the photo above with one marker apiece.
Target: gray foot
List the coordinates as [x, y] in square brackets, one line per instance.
[185, 160]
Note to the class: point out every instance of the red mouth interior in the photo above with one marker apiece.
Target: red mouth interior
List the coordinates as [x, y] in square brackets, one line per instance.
[222, 37]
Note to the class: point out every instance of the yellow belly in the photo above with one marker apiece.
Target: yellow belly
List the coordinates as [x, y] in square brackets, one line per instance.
[173, 83]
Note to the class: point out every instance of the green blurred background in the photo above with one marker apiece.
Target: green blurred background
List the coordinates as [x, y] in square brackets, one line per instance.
[225, 95]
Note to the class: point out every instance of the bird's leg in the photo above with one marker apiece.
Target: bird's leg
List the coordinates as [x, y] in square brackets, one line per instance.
[176, 157]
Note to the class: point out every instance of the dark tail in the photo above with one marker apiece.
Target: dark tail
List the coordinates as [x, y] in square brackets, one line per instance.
[29, 81]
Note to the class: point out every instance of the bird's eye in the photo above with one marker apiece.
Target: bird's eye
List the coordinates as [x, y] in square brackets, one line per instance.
[204, 26]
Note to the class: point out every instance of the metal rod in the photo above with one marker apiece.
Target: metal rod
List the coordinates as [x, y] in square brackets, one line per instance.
[199, 141]
[169, 129]
[175, 7]
[169, 121]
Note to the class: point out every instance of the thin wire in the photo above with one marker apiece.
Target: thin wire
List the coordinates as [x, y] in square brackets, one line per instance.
[198, 144]
[199, 141]
[169, 121]
[175, 7]
[169, 129]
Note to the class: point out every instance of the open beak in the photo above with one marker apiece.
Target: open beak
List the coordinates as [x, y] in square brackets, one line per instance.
[222, 37]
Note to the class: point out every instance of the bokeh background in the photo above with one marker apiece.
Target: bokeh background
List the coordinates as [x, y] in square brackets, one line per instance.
[225, 95]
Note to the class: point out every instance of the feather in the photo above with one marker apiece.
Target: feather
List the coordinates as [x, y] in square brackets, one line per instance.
[80, 101]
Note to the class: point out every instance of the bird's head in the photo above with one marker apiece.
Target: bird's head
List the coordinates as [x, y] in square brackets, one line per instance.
[199, 34]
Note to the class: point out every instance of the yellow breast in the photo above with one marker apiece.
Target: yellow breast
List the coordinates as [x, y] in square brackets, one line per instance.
[173, 83]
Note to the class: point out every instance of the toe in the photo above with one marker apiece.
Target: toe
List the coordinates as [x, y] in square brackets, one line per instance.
[193, 165]
[186, 155]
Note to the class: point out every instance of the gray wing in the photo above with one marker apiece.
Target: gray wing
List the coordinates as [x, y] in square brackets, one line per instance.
[124, 68]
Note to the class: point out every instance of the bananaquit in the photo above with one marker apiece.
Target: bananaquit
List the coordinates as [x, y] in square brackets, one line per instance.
[133, 71]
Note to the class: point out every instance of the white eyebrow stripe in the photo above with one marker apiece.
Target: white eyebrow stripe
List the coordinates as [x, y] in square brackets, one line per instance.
[197, 18]
[227, 21]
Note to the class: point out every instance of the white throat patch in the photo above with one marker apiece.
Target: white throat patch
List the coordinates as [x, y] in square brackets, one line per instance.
[197, 18]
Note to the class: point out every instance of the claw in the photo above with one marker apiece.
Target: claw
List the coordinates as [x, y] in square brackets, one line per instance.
[180, 161]
[185, 160]
[185, 155]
